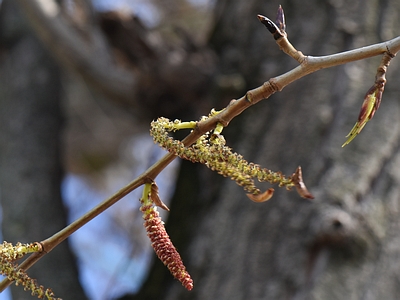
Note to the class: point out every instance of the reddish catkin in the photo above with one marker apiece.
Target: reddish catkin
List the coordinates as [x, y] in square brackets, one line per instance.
[163, 246]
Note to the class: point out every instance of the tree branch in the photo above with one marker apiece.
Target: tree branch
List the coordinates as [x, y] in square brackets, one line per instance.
[85, 54]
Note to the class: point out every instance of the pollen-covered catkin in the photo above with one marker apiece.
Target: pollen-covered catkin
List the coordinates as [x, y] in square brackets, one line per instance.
[163, 246]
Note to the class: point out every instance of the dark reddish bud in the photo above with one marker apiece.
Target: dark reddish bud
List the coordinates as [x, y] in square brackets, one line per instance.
[280, 19]
[271, 26]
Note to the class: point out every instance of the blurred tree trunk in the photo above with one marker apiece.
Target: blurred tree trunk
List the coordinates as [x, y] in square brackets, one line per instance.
[346, 243]
[30, 166]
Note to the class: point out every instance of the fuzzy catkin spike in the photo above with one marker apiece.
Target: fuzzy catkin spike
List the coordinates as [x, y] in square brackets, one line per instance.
[10, 253]
[210, 150]
[160, 240]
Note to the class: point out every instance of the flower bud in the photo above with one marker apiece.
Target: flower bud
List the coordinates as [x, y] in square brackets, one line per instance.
[370, 105]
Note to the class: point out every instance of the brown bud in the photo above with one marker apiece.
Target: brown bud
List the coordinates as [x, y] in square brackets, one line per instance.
[301, 188]
[156, 198]
[271, 26]
[280, 19]
[262, 197]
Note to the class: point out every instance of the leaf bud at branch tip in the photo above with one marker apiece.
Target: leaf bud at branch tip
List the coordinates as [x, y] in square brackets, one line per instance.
[278, 27]
[267, 23]
[280, 19]
[271, 26]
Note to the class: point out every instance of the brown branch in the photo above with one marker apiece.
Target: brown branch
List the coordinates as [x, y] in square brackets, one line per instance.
[85, 54]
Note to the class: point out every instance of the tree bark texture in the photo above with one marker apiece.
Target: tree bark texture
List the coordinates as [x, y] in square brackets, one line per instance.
[30, 163]
[346, 243]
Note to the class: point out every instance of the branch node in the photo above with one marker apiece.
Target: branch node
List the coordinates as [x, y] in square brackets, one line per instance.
[249, 97]
[392, 55]
[272, 85]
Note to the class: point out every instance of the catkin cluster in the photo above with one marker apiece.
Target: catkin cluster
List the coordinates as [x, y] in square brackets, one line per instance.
[8, 254]
[211, 150]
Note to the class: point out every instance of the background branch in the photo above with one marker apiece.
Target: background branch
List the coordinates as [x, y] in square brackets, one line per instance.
[85, 53]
